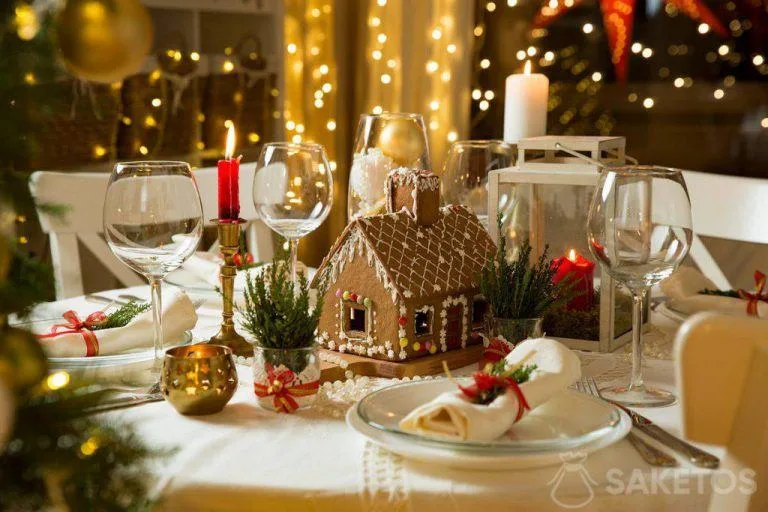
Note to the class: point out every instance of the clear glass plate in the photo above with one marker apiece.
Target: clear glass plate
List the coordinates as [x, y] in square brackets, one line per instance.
[137, 355]
[566, 422]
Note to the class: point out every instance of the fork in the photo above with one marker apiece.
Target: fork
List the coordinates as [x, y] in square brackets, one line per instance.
[649, 453]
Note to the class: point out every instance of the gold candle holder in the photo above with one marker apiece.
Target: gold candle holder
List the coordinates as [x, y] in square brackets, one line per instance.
[229, 242]
[198, 379]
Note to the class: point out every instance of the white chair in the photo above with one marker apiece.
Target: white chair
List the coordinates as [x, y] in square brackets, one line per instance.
[727, 207]
[722, 373]
[84, 194]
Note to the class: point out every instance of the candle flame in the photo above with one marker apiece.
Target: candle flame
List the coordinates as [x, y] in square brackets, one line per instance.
[230, 148]
[572, 255]
[527, 67]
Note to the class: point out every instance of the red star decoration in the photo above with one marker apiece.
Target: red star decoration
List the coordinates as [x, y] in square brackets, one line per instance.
[618, 20]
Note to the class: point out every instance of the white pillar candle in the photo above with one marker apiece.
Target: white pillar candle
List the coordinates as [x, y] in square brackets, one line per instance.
[525, 105]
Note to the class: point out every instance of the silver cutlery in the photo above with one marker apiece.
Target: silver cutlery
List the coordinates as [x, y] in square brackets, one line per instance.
[692, 454]
[125, 402]
[129, 398]
[649, 453]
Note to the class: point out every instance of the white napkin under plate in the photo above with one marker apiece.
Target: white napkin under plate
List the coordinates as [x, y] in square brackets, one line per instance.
[682, 289]
[179, 316]
[452, 416]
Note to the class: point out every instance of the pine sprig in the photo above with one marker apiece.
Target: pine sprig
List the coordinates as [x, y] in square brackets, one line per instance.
[518, 289]
[720, 293]
[123, 315]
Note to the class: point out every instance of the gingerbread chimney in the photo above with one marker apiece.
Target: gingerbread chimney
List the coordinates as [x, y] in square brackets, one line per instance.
[418, 192]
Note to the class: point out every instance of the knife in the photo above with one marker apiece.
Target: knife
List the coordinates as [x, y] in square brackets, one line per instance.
[694, 455]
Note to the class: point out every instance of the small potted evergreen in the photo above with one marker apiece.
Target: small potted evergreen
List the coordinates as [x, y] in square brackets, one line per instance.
[519, 292]
[282, 327]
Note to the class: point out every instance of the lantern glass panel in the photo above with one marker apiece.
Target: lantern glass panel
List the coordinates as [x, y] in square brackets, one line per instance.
[554, 215]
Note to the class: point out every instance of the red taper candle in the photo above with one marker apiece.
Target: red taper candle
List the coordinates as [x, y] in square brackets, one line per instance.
[229, 181]
[578, 270]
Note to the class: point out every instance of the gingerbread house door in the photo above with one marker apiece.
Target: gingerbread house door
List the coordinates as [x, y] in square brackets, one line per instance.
[454, 326]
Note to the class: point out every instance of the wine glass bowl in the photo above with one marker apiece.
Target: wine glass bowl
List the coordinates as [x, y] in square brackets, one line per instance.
[293, 190]
[640, 230]
[465, 173]
[153, 222]
[383, 142]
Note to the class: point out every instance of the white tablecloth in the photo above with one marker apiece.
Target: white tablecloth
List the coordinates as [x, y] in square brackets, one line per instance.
[245, 458]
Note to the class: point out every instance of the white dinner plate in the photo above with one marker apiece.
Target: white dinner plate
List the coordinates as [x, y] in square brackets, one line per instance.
[547, 435]
[130, 357]
[191, 282]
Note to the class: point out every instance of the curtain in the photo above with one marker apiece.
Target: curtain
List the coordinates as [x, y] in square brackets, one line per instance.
[344, 58]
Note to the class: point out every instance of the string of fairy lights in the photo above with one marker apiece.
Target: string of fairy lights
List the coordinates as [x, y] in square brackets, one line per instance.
[385, 55]
[309, 104]
[590, 80]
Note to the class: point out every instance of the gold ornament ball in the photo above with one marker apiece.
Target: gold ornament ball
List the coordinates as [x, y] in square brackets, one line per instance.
[402, 140]
[103, 40]
[22, 361]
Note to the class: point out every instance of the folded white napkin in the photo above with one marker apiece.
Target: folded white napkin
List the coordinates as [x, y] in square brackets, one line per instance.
[682, 289]
[178, 316]
[453, 416]
[206, 266]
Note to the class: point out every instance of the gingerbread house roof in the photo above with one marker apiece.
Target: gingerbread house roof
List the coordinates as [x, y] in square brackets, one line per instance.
[412, 261]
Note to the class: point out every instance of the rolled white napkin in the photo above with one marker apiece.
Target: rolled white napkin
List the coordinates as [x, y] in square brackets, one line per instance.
[204, 265]
[178, 316]
[451, 415]
[682, 291]
[207, 265]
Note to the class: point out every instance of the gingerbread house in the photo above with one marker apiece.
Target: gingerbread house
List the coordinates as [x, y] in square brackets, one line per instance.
[403, 284]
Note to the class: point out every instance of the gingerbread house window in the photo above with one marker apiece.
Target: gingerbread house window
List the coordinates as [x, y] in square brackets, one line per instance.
[422, 321]
[356, 323]
[479, 310]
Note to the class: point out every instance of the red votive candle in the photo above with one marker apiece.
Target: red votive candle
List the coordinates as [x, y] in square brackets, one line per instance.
[229, 181]
[575, 268]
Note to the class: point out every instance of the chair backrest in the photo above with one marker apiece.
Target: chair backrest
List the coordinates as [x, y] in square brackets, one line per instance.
[84, 194]
[728, 207]
[722, 374]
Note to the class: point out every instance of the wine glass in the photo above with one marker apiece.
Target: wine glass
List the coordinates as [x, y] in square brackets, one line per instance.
[293, 191]
[383, 142]
[153, 221]
[639, 229]
[465, 173]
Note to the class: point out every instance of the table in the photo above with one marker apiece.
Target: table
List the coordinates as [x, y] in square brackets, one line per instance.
[245, 458]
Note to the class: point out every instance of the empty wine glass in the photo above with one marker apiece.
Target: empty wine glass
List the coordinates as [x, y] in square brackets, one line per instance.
[383, 142]
[293, 190]
[639, 228]
[153, 221]
[465, 173]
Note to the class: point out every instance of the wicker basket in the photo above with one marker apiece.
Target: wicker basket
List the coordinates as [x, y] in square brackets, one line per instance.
[82, 130]
[242, 95]
[161, 108]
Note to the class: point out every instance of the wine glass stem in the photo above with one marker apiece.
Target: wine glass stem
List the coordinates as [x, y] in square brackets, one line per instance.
[638, 300]
[157, 319]
[294, 246]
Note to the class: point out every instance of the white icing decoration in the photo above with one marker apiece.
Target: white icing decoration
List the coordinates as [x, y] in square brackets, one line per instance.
[402, 354]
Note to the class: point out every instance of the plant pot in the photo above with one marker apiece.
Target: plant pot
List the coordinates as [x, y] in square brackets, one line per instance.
[286, 380]
[514, 330]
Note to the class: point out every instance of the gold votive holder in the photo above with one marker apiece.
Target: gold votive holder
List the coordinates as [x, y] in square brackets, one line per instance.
[198, 379]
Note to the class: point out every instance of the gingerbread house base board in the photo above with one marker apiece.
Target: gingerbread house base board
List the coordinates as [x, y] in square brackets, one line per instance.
[423, 366]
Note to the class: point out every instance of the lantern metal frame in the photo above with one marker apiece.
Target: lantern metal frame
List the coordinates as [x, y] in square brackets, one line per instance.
[540, 162]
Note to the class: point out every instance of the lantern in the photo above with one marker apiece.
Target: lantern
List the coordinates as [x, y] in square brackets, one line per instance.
[545, 199]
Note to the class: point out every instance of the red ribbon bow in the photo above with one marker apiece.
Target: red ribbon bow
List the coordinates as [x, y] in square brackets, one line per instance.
[84, 327]
[281, 386]
[496, 350]
[485, 382]
[753, 299]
